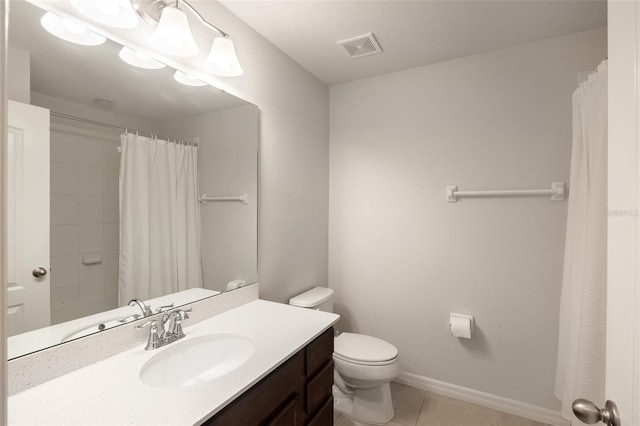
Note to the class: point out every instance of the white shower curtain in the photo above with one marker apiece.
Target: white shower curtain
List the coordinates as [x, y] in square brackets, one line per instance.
[580, 369]
[160, 251]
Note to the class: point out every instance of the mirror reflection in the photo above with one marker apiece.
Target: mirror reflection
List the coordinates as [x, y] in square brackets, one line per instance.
[125, 183]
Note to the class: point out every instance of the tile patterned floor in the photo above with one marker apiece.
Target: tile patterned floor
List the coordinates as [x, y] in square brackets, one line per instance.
[415, 407]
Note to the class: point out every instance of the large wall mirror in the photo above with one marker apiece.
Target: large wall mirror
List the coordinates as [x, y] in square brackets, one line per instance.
[94, 220]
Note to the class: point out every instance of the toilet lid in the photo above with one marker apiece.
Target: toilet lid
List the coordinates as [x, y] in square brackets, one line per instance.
[362, 348]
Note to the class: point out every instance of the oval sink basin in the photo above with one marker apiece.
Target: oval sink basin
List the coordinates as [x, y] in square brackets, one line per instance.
[197, 360]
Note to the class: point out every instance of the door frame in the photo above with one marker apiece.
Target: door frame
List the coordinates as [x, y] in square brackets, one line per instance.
[4, 23]
[623, 270]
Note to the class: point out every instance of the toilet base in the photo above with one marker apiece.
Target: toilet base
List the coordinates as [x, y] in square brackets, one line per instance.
[365, 405]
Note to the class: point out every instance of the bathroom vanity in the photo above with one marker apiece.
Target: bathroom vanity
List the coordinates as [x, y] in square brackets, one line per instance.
[297, 393]
[286, 380]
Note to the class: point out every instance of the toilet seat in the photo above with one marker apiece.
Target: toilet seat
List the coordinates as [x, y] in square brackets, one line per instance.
[361, 349]
[364, 363]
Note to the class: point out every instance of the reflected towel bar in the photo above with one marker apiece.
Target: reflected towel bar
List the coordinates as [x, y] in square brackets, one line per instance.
[557, 192]
[242, 198]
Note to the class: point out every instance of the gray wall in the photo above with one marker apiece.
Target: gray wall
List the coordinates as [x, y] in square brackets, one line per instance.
[293, 177]
[18, 75]
[402, 258]
[227, 165]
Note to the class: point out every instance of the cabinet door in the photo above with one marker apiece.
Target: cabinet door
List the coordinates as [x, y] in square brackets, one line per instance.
[319, 352]
[324, 417]
[289, 415]
[260, 403]
[319, 388]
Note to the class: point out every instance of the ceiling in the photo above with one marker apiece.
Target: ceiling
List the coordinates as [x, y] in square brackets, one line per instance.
[83, 73]
[411, 33]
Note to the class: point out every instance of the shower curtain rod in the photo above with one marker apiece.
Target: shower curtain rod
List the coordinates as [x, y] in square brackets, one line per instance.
[110, 126]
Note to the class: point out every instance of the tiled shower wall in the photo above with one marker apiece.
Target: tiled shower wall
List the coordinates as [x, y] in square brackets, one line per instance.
[84, 221]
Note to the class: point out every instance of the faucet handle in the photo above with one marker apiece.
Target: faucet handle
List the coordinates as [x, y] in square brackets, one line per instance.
[129, 318]
[148, 323]
[174, 319]
[154, 338]
[163, 308]
[170, 314]
[177, 331]
[185, 314]
[181, 314]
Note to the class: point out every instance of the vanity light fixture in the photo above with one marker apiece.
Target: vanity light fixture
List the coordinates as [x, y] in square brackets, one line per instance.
[70, 31]
[140, 60]
[222, 59]
[188, 80]
[173, 34]
[114, 13]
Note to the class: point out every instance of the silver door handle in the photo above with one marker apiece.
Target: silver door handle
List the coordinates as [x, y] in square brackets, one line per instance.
[589, 413]
[39, 272]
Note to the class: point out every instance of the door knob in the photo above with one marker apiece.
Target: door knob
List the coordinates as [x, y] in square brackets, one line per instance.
[39, 272]
[589, 413]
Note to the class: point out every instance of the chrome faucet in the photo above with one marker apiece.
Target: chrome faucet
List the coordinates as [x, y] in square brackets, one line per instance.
[169, 331]
[171, 324]
[146, 309]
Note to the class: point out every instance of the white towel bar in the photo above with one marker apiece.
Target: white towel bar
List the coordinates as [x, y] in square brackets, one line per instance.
[242, 198]
[556, 192]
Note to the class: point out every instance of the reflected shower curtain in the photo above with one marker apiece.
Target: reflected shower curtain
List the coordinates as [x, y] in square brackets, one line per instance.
[160, 251]
[580, 371]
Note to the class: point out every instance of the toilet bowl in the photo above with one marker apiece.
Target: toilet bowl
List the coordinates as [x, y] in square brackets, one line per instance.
[364, 367]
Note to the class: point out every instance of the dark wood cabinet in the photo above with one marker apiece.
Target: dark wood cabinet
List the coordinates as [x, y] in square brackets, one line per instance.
[297, 393]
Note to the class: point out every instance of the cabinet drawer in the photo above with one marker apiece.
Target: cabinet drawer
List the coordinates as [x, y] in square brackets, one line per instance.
[319, 352]
[324, 417]
[319, 388]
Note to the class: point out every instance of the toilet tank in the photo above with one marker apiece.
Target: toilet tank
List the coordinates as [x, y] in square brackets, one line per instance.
[319, 298]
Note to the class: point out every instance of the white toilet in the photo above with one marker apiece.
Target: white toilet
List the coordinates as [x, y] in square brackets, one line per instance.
[364, 366]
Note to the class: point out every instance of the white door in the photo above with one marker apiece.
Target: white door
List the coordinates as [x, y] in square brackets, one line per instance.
[28, 218]
[623, 275]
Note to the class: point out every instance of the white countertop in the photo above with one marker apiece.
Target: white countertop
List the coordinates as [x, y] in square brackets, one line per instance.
[110, 392]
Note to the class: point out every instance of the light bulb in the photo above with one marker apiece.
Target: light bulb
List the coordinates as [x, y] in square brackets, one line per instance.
[70, 31]
[173, 35]
[139, 59]
[222, 59]
[142, 56]
[173, 42]
[108, 7]
[187, 79]
[72, 27]
[114, 13]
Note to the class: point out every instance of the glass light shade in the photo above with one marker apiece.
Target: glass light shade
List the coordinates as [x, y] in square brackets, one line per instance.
[70, 31]
[222, 59]
[114, 13]
[173, 35]
[187, 80]
[139, 60]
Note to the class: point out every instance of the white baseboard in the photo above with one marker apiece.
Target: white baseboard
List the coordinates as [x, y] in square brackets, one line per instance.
[485, 399]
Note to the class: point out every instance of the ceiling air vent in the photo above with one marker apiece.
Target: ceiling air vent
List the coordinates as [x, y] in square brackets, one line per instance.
[363, 45]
